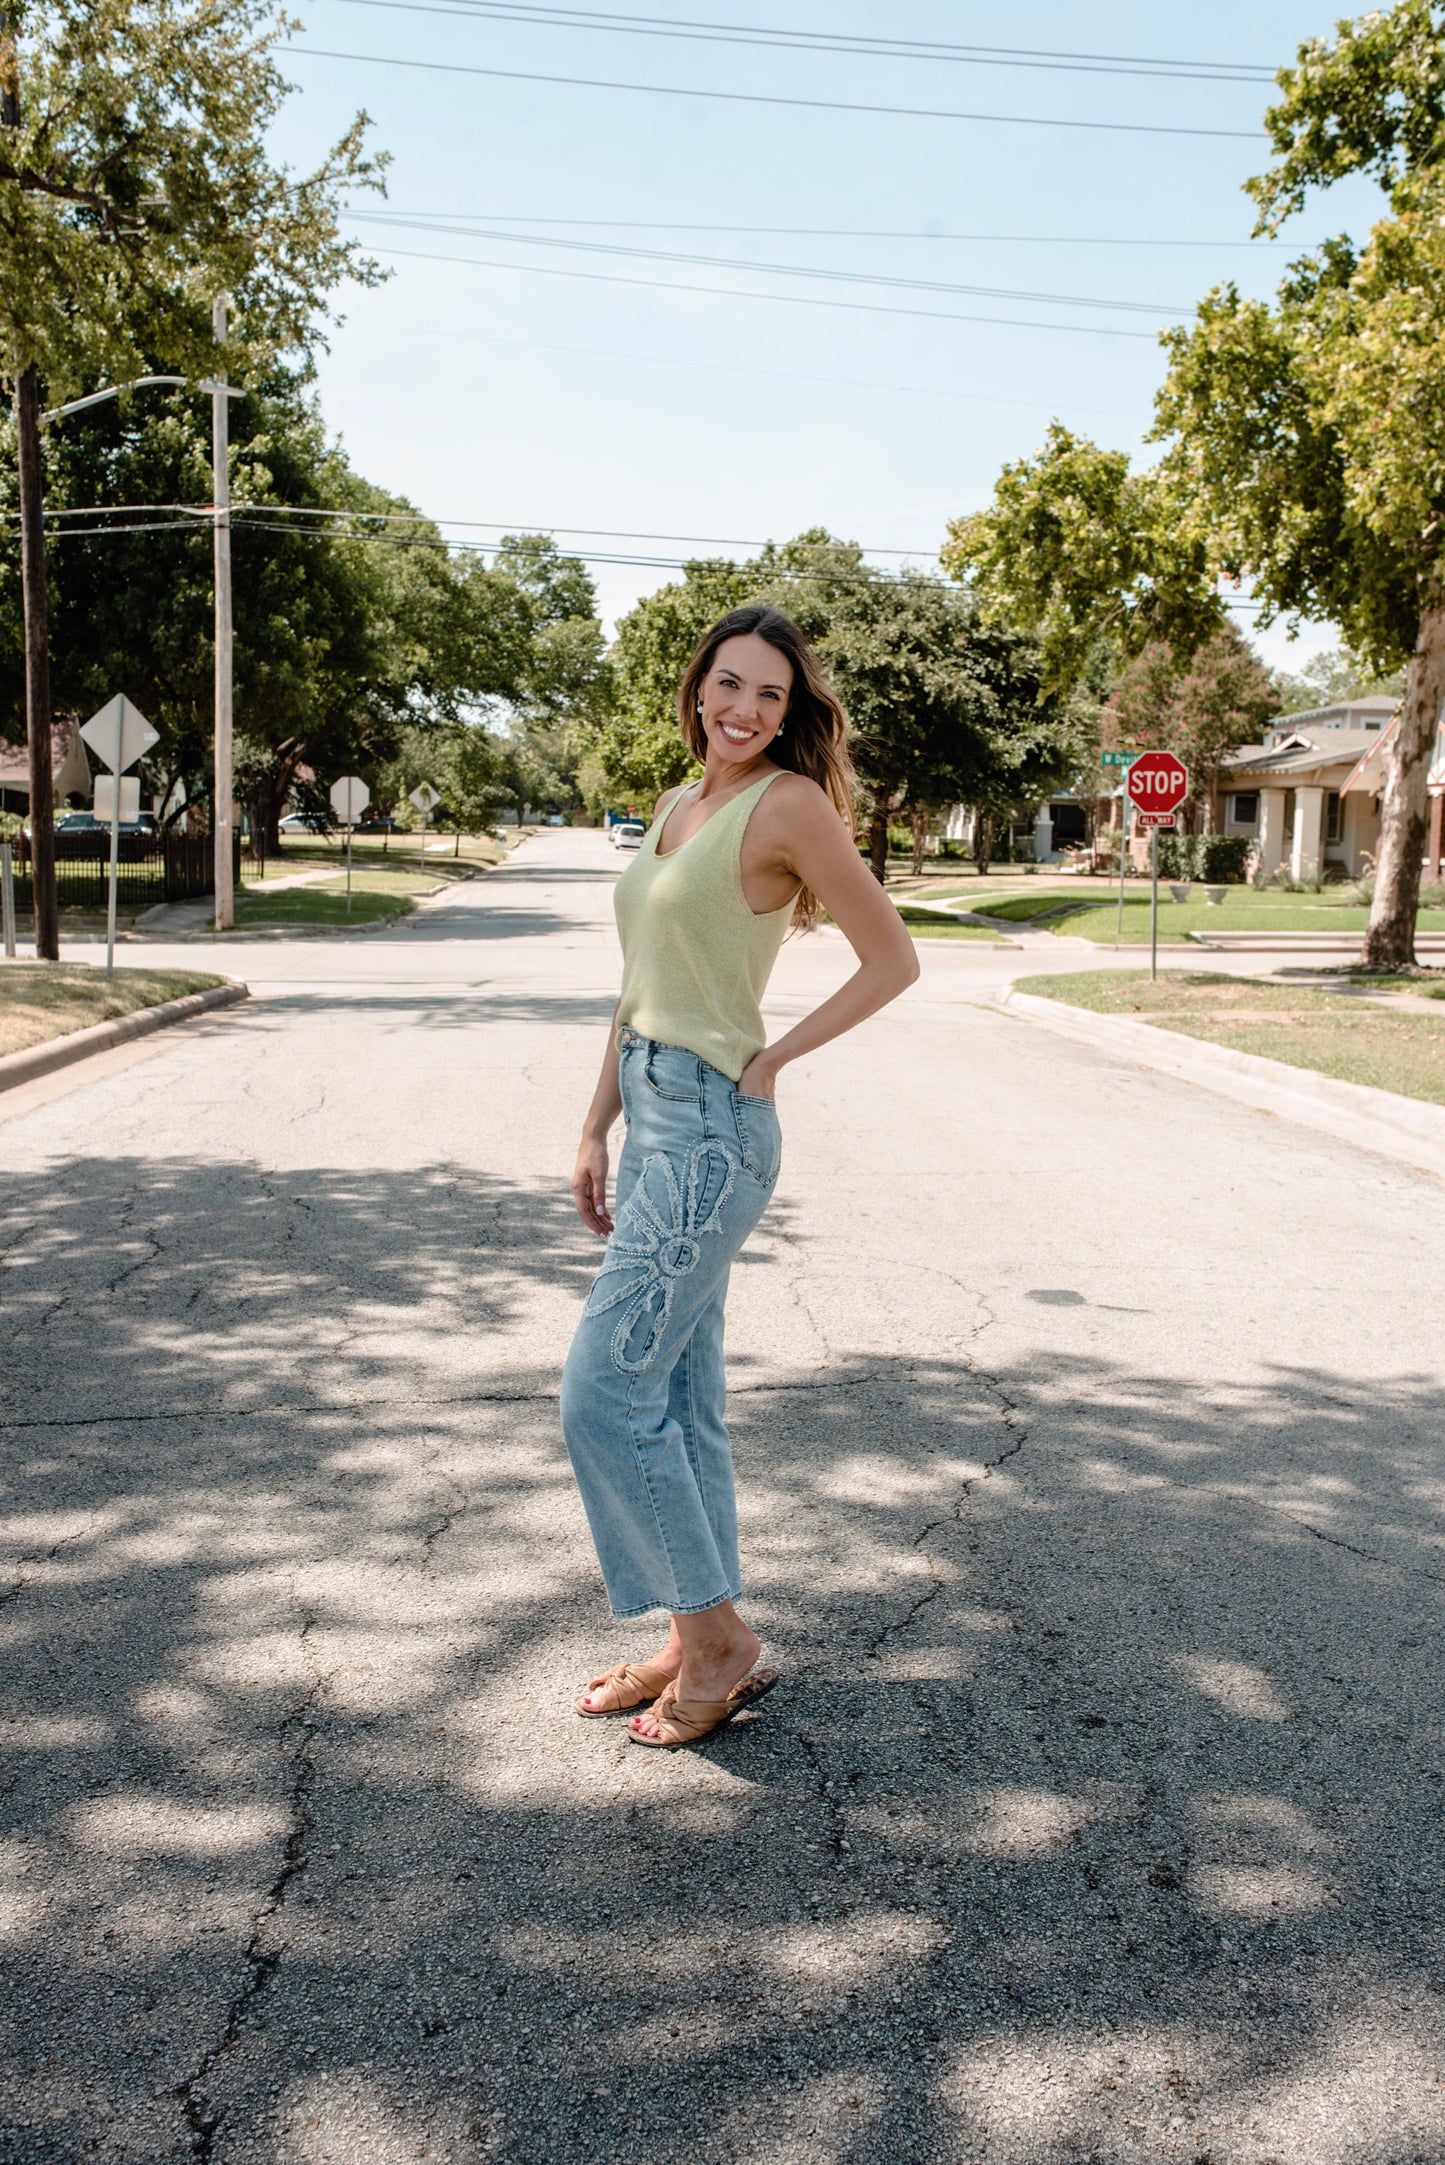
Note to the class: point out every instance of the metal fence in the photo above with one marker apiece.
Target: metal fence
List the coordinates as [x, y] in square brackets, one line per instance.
[168, 868]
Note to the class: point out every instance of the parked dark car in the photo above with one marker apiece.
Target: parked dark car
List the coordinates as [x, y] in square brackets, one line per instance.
[379, 823]
[81, 834]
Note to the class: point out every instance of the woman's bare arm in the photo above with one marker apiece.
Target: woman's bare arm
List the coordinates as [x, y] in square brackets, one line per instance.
[589, 1181]
[816, 847]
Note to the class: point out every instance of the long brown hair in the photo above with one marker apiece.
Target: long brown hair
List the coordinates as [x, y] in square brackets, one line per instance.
[814, 740]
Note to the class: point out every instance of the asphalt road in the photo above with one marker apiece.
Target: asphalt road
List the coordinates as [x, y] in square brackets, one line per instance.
[1090, 1450]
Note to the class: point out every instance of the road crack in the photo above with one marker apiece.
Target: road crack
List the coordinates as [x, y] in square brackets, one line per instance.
[297, 1730]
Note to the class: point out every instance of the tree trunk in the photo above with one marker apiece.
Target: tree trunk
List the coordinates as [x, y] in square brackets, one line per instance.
[37, 666]
[982, 842]
[878, 842]
[1404, 808]
[920, 840]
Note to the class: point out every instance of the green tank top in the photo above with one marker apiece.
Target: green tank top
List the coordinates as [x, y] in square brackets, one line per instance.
[695, 957]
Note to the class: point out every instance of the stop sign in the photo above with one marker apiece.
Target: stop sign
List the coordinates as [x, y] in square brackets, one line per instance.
[1157, 782]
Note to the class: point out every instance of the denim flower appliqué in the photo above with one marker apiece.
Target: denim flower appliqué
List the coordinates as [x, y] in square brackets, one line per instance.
[670, 1212]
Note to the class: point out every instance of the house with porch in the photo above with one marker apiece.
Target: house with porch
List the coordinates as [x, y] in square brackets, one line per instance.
[1309, 796]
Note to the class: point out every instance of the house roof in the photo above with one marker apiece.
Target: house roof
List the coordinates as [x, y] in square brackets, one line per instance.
[67, 752]
[1369, 771]
[1302, 752]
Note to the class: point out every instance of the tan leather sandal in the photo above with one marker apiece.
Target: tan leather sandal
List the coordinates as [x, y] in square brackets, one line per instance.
[630, 1684]
[688, 1721]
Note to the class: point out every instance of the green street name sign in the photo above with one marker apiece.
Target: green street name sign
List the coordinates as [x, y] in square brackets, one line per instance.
[1117, 759]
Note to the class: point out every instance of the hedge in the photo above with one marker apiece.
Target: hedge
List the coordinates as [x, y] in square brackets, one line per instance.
[1217, 859]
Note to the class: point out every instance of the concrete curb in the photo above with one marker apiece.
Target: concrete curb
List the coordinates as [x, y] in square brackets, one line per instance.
[37, 1060]
[1395, 1127]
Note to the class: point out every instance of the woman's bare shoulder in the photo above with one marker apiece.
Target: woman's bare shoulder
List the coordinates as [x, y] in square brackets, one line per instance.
[794, 797]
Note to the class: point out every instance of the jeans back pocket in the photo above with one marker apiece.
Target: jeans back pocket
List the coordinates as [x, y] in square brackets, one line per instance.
[760, 1138]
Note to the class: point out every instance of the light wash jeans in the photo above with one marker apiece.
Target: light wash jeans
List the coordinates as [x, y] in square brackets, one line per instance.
[643, 1392]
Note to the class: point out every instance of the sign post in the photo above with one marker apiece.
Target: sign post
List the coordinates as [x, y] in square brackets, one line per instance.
[1125, 760]
[349, 799]
[1157, 785]
[120, 735]
[425, 798]
[7, 896]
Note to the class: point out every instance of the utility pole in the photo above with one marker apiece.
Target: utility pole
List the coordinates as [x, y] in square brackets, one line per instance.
[221, 491]
[32, 574]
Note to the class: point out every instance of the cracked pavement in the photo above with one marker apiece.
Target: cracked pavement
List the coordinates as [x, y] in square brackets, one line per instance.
[1091, 1469]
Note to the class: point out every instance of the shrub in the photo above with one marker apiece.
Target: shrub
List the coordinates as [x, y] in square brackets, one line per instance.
[1218, 859]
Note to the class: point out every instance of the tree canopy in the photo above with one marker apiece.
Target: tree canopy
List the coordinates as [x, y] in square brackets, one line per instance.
[1200, 706]
[350, 631]
[136, 186]
[1309, 436]
[1304, 439]
[944, 707]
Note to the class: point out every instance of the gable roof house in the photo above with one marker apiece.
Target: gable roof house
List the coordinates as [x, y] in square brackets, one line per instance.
[69, 767]
[1309, 795]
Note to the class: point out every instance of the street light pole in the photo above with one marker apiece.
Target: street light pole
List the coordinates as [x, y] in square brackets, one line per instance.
[32, 581]
[224, 762]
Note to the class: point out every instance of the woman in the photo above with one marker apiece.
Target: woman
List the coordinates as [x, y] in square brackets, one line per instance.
[729, 862]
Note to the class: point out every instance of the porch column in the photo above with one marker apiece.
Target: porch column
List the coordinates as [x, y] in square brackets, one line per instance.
[1271, 830]
[1437, 822]
[1309, 827]
[1043, 835]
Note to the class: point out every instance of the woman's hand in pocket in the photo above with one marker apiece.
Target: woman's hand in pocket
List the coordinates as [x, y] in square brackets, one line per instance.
[589, 1187]
[759, 1079]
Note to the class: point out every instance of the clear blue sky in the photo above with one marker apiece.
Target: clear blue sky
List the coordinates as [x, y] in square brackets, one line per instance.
[499, 391]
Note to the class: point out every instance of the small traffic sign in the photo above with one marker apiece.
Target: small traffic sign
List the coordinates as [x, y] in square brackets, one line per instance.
[349, 799]
[425, 798]
[119, 734]
[1157, 782]
[1153, 819]
[104, 805]
[1117, 759]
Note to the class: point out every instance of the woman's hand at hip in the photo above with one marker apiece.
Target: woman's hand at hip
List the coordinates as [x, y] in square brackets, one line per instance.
[589, 1187]
[759, 1079]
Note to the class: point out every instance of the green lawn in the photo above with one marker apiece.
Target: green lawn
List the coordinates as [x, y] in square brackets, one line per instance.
[1018, 909]
[321, 905]
[925, 926]
[1334, 1033]
[401, 853]
[44, 1000]
[1245, 909]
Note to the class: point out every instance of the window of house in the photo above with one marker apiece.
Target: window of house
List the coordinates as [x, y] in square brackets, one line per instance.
[1244, 809]
[1334, 817]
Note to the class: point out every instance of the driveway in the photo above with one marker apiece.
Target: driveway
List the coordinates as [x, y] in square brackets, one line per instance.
[1091, 1465]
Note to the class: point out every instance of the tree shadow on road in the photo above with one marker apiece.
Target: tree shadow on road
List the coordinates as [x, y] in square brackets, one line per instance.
[1094, 1818]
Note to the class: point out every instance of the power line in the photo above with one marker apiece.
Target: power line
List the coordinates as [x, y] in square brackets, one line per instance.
[790, 300]
[758, 97]
[839, 233]
[777, 375]
[783, 270]
[776, 574]
[816, 41]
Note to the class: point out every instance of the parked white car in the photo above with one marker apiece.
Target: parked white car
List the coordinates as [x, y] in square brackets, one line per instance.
[628, 834]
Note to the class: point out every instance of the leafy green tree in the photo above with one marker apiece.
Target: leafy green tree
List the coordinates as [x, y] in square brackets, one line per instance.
[1308, 433]
[135, 191]
[350, 632]
[1077, 552]
[566, 687]
[1201, 707]
[944, 708]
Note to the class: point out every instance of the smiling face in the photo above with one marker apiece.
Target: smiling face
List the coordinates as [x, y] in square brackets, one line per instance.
[744, 698]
